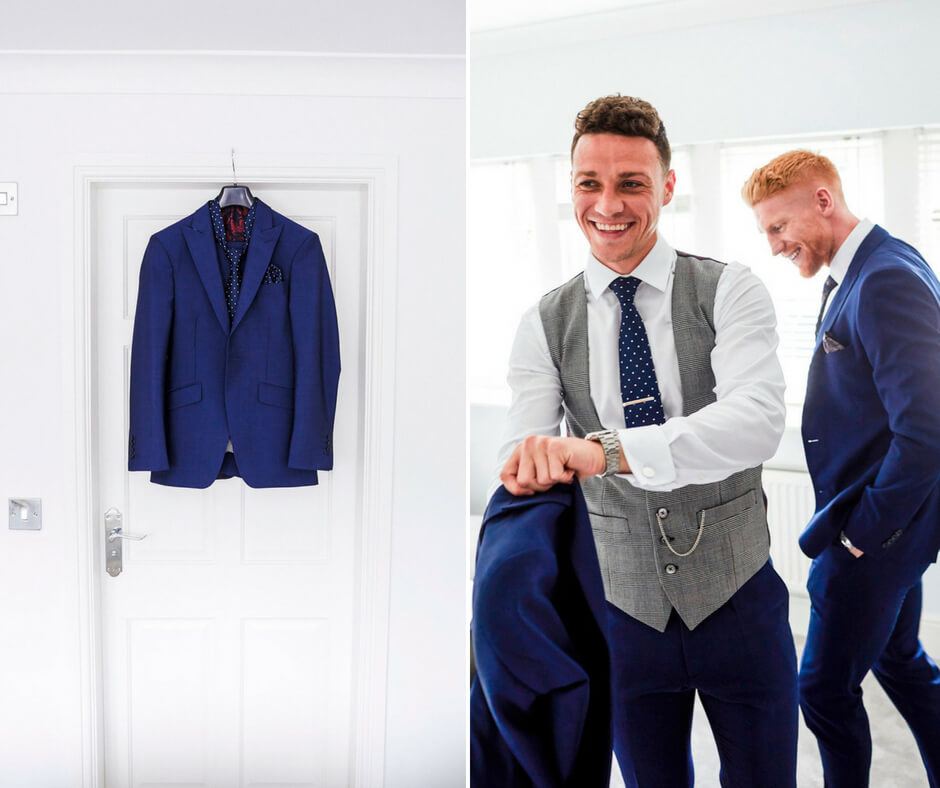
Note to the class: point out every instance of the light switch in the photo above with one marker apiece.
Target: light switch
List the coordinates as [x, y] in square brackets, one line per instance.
[25, 514]
[9, 204]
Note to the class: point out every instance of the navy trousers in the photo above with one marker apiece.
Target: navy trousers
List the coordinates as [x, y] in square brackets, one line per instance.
[865, 616]
[742, 662]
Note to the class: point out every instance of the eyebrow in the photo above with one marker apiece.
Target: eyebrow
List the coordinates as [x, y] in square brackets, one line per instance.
[593, 174]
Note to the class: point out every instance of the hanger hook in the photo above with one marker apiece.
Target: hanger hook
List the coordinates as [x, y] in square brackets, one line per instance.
[234, 178]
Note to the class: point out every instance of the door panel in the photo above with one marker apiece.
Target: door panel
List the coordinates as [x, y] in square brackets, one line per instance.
[228, 638]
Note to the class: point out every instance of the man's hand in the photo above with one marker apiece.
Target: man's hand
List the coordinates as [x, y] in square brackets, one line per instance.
[856, 552]
[540, 462]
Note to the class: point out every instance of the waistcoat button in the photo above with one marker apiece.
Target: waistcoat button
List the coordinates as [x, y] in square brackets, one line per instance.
[671, 569]
[662, 512]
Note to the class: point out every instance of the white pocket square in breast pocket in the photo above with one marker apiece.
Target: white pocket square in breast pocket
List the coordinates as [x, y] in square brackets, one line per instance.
[831, 344]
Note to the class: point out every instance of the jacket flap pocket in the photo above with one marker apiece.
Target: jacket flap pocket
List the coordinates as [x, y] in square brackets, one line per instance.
[279, 396]
[184, 395]
[729, 509]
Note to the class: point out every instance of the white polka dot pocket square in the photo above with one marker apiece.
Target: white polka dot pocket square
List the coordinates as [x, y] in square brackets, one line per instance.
[273, 275]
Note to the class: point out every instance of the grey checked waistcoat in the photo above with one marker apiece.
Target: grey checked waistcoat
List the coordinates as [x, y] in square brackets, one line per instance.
[641, 576]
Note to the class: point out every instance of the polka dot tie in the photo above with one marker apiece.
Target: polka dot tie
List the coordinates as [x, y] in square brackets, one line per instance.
[639, 388]
[233, 251]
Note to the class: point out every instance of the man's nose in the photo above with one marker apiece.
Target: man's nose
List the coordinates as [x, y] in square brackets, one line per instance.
[609, 203]
[776, 246]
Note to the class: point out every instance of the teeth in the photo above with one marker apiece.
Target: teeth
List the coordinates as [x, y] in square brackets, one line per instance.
[611, 226]
[792, 257]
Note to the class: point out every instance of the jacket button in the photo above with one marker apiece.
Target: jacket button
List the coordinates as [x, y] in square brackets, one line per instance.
[662, 512]
[671, 569]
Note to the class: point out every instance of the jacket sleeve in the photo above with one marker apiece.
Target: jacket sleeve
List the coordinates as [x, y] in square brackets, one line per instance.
[899, 326]
[153, 320]
[316, 359]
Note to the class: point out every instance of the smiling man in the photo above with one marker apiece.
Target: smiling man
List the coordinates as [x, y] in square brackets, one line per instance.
[871, 431]
[663, 367]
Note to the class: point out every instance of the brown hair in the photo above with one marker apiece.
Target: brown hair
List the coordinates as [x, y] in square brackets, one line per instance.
[626, 116]
[787, 169]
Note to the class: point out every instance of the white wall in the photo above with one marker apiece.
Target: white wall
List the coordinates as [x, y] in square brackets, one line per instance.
[711, 74]
[64, 111]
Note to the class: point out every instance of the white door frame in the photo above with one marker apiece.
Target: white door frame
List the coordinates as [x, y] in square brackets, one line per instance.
[378, 175]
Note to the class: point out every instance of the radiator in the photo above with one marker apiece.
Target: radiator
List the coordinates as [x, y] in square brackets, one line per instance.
[790, 504]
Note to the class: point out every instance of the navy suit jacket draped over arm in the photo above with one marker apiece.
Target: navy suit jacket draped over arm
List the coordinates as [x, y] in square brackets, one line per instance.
[540, 712]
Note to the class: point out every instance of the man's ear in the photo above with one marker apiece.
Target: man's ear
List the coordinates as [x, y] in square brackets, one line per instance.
[823, 201]
[670, 187]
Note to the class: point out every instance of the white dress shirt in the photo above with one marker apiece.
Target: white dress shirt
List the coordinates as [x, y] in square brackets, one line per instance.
[740, 430]
[839, 266]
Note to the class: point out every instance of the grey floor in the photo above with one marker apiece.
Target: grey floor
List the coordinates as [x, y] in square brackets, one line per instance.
[896, 762]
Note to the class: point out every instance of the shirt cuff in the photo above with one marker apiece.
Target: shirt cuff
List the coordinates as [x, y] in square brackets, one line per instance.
[647, 453]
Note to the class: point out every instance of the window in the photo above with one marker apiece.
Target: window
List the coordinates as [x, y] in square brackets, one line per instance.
[796, 300]
[524, 241]
[928, 213]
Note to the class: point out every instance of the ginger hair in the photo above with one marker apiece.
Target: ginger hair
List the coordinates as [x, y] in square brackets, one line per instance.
[796, 166]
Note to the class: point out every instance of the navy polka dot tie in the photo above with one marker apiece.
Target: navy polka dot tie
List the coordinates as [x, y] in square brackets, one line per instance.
[639, 389]
[233, 251]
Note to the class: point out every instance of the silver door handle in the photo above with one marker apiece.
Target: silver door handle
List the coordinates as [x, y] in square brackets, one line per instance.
[118, 533]
[114, 543]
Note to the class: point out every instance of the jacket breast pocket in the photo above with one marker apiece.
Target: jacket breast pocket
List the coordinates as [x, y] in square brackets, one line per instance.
[279, 396]
[184, 395]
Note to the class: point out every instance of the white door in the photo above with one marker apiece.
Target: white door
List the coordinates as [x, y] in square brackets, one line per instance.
[228, 638]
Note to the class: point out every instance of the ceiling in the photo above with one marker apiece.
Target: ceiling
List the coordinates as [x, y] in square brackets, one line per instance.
[380, 27]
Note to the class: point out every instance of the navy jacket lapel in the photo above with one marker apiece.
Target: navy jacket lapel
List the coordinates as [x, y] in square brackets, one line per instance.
[260, 248]
[201, 243]
[872, 241]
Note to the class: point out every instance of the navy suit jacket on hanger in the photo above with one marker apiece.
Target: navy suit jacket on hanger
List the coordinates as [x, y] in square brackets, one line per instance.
[540, 707]
[266, 380]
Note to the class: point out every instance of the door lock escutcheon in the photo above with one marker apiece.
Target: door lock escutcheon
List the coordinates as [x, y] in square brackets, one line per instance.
[114, 541]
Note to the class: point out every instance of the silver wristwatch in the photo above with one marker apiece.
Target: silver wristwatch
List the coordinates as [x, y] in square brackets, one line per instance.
[610, 442]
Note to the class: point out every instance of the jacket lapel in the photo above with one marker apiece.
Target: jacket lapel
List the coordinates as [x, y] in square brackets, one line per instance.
[201, 243]
[260, 248]
[872, 241]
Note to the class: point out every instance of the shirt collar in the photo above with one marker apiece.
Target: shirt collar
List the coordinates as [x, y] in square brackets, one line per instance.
[233, 250]
[839, 266]
[654, 269]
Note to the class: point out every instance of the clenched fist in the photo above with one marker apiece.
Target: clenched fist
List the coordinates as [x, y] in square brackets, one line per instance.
[540, 462]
